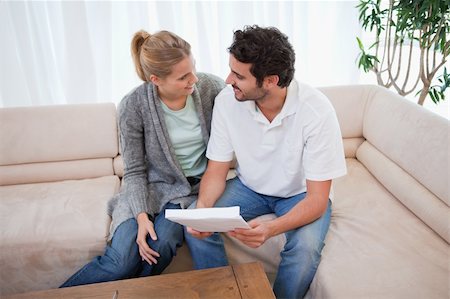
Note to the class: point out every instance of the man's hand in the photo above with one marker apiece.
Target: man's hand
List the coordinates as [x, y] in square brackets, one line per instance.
[212, 186]
[146, 227]
[255, 236]
[197, 234]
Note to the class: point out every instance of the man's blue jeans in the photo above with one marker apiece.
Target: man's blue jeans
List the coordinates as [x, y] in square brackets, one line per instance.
[121, 259]
[301, 254]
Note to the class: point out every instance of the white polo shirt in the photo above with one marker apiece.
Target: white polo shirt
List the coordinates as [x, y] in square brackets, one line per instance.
[302, 142]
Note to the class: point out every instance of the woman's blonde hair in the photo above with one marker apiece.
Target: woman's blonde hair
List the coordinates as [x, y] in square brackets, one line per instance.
[156, 54]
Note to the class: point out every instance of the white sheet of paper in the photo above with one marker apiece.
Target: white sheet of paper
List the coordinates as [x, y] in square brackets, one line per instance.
[208, 219]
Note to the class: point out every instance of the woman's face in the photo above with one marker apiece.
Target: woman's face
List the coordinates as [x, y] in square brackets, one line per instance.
[180, 83]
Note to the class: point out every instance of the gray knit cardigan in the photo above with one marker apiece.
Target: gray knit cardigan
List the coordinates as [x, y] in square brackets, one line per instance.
[152, 173]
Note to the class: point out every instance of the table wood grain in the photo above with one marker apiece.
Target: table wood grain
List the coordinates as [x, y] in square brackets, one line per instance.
[238, 281]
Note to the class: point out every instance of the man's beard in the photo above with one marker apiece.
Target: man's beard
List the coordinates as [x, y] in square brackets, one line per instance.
[261, 94]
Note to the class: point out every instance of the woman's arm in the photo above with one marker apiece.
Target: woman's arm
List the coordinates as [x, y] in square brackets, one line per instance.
[133, 153]
[135, 173]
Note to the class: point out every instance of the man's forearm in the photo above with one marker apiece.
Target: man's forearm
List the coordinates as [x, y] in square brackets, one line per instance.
[306, 211]
[211, 188]
[213, 183]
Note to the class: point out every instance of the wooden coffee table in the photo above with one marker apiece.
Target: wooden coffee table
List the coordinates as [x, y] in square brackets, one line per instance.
[237, 281]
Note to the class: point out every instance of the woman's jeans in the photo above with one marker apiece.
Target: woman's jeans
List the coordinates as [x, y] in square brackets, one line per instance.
[121, 259]
[301, 254]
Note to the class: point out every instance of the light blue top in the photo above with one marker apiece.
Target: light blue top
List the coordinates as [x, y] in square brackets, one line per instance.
[186, 137]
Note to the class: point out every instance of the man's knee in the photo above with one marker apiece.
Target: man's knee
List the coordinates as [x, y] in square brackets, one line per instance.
[310, 246]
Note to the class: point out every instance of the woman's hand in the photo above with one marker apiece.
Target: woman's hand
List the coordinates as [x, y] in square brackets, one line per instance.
[146, 227]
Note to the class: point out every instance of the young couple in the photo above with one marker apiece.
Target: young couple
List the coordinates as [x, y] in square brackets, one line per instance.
[284, 135]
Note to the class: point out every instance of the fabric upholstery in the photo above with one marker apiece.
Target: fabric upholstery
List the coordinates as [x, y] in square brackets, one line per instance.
[55, 171]
[56, 176]
[434, 212]
[376, 248]
[415, 139]
[57, 133]
[351, 145]
[118, 166]
[389, 228]
[49, 230]
[350, 105]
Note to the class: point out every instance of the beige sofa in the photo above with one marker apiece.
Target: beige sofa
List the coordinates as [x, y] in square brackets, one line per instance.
[389, 234]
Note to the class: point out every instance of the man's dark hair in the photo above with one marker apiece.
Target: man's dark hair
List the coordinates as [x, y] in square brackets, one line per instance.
[268, 50]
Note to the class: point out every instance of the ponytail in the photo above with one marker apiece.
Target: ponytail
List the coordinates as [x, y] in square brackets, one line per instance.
[136, 45]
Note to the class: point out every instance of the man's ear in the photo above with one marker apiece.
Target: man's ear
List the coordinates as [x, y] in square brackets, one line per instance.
[155, 80]
[271, 81]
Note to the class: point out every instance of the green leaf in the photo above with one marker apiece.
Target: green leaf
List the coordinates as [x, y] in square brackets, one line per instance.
[436, 94]
[432, 97]
[360, 44]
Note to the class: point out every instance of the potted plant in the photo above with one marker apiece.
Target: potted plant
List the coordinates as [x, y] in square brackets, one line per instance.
[402, 27]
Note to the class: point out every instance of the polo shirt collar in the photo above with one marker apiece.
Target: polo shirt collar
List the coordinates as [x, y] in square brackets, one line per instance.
[291, 102]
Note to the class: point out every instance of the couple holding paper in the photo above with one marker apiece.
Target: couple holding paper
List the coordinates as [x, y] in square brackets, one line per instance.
[284, 135]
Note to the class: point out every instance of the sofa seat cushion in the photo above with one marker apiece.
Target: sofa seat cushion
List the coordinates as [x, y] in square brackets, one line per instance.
[376, 247]
[49, 230]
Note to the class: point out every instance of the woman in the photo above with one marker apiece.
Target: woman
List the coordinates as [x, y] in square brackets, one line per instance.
[164, 129]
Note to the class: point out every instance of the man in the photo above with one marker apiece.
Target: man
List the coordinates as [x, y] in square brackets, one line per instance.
[288, 146]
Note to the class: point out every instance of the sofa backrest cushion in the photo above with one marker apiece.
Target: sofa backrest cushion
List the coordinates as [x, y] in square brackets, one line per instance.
[416, 141]
[349, 103]
[402, 144]
[412, 137]
[55, 171]
[56, 134]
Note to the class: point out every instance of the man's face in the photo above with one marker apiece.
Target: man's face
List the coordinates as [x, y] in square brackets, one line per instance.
[243, 82]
